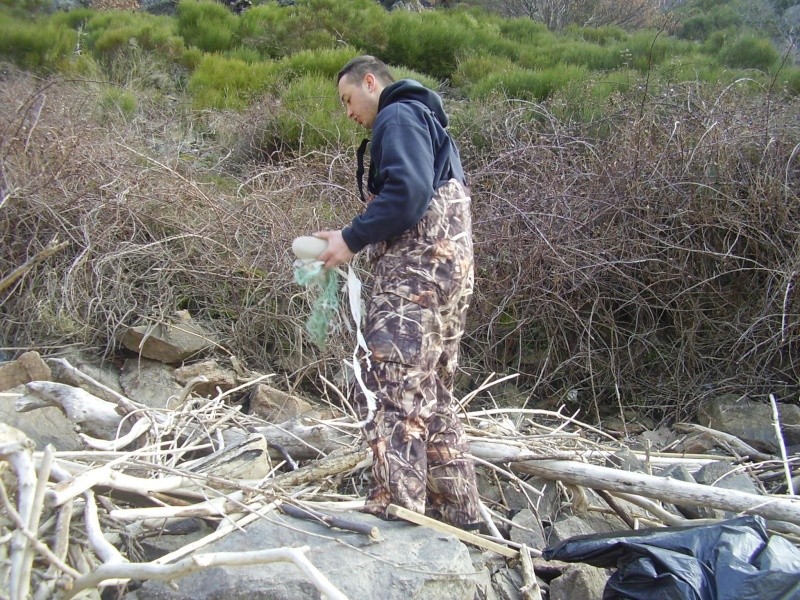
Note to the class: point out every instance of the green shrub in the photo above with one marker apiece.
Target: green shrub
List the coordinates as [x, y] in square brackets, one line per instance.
[117, 102]
[789, 78]
[74, 19]
[524, 31]
[474, 68]
[208, 25]
[528, 84]
[425, 42]
[108, 33]
[305, 116]
[683, 69]
[36, 45]
[311, 116]
[358, 23]
[749, 51]
[325, 63]
[700, 26]
[276, 31]
[228, 83]
[601, 36]
[643, 50]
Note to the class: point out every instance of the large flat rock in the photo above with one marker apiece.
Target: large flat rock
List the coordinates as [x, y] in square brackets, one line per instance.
[410, 562]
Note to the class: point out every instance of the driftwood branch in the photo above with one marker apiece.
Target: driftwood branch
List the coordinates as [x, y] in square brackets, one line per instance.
[301, 512]
[661, 488]
[200, 562]
[92, 415]
[464, 536]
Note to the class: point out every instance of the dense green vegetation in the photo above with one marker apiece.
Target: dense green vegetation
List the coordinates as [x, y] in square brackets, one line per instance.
[226, 61]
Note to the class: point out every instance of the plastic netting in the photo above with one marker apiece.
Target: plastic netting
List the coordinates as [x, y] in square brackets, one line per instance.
[323, 290]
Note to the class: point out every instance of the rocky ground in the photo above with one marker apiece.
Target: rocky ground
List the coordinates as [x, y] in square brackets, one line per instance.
[141, 479]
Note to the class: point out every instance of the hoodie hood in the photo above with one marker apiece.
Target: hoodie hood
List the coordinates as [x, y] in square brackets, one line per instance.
[408, 89]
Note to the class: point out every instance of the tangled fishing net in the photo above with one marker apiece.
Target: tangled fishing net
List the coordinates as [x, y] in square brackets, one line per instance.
[323, 290]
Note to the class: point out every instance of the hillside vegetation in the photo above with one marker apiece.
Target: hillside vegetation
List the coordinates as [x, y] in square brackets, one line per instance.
[635, 192]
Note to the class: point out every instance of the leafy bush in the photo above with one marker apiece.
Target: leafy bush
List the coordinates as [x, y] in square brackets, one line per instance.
[700, 26]
[300, 117]
[118, 102]
[325, 63]
[528, 84]
[228, 83]
[598, 35]
[207, 25]
[790, 79]
[35, 45]
[276, 31]
[108, 33]
[474, 68]
[429, 43]
[749, 52]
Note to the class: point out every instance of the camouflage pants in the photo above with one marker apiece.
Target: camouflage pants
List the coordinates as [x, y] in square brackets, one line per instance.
[423, 283]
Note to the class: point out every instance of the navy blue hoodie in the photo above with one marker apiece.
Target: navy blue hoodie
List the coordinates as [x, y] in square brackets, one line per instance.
[411, 155]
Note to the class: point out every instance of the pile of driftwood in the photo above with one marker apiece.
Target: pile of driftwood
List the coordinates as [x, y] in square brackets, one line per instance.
[66, 515]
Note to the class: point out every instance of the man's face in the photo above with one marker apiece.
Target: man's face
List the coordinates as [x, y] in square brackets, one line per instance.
[360, 99]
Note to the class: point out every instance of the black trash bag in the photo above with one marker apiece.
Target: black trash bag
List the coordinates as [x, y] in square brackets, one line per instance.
[733, 559]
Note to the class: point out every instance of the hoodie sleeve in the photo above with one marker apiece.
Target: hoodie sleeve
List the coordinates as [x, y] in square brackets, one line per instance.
[403, 151]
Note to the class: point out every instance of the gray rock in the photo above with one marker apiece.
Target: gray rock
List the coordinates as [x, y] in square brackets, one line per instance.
[28, 367]
[579, 581]
[751, 421]
[724, 474]
[168, 342]
[530, 531]
[409, 562]
[276, 406]
[43, 426]
[681, 473]
[507, 583]
[149, 382]
[625, 460]
[219, 378]
[571, 526]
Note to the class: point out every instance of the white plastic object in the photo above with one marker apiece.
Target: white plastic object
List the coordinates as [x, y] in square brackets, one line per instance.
[308, 247]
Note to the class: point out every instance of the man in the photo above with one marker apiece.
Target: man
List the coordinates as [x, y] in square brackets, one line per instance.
[417, 226]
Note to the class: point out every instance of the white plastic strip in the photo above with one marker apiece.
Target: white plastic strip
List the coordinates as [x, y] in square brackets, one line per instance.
[354, 295]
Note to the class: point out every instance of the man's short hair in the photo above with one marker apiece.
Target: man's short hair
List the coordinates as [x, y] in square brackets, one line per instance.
[358, 67]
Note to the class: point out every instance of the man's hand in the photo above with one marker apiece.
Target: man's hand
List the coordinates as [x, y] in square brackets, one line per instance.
[337, 253]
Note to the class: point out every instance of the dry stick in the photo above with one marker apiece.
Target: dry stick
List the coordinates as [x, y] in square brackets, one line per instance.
[52, 247]
[734, 442]
[99, 389]
[104, 550]
[669, 490]
[487, 518]
[60, 548]
[18, 453]
[308, 514]
[42, 476]
[530, 589]
[614, 505]
[224, 529]
[782, 444]
[34, 540]
[202, 562]
[105, 475]
[465, 536]
[138, 429]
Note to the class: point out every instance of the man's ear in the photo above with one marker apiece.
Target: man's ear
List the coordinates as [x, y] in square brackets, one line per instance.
[369, 80]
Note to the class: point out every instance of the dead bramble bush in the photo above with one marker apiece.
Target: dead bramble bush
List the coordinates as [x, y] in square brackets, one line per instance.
[637, 271]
